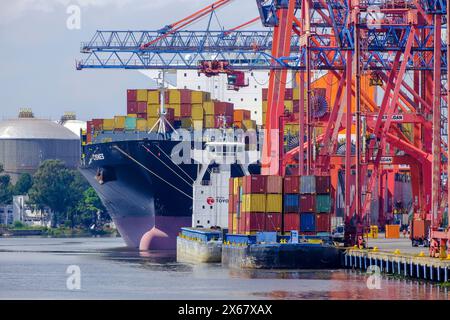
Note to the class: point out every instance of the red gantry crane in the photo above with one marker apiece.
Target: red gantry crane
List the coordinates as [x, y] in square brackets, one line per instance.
[371, 88]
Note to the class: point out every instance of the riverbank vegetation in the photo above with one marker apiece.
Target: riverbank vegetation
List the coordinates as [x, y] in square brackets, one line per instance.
[75, 205]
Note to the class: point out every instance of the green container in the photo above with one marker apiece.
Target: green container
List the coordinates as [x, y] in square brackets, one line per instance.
[130, 123]
[323, 203]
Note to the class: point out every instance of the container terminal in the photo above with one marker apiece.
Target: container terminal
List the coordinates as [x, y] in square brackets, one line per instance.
[348, 137]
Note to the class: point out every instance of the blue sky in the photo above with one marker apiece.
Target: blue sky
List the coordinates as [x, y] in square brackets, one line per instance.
[37, 60]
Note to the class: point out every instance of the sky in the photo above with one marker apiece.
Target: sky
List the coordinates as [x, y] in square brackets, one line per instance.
[38, 52]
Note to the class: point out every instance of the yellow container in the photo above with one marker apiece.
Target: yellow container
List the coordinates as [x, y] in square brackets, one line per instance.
[119, 122]
[197, 124]
[200, 97]
[142, 95]
[153, 97]
[208, 121]
[254, 202]
[237, 182]
[296, 93]
[108, 124]
[264, 106]
[274, 203]
[141, 125]
[151, 122]
[291, 128]
[176, 109]
[208, 107]
[132, 115]
[392, 231]
[186, 123]
[289, 105]
[152, 110]
[249, 124]
[174, 96]
[197, 112]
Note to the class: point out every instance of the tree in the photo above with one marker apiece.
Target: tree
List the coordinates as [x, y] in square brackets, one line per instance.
[5, 187]
[56, 187]
[88, 209]
[23, 184]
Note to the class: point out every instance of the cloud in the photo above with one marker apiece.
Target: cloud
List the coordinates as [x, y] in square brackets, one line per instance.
[12, 10]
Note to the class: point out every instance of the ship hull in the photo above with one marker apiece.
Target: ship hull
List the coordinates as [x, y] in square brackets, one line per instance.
[142, 189]
[147, 194]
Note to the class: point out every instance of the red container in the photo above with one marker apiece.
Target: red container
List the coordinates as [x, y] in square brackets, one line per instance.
[296, 106]
[291, 184]
[307, 203]
[170, 115]
[141, 107]
[288, 94]
[132, 107]
[265, 91]
[220, 121]
[230, 222]
[229, 109]
[291, 221]
[323, 222]
[274, 184]
[254, 221]
[273, 221]
[254, 184]
[231, 186]
[231, 207]
[98, 124]
[323, 184]
[89, 126]
[185, 110]
[131, 95]
[242, 220]
[185, 96]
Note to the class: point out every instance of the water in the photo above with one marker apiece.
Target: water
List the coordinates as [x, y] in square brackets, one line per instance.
[35, 268]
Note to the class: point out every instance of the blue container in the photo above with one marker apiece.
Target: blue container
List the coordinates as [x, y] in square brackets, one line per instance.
[130, 123]
[291, 203]
[307, 184]
[307, 222]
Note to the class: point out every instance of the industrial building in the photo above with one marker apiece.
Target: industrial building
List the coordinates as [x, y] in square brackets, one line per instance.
[26, 142]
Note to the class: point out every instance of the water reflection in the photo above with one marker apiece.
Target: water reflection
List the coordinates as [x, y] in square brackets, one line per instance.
[35, 267]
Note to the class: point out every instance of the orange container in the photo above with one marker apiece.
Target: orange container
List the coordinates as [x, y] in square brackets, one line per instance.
[392, 231]
[240, 114]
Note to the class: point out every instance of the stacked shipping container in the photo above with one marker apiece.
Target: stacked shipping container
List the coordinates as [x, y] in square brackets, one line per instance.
[184, 109]
[272, 203]
[255, 204]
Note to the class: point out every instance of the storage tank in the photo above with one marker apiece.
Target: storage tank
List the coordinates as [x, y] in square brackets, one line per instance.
[69, 120]
[26, 142]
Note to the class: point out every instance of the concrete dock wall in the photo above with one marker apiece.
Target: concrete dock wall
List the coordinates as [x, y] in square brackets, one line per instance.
[198, 251]
[417, 267]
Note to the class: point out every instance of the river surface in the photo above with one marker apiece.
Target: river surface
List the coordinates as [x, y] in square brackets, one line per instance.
[35, 268]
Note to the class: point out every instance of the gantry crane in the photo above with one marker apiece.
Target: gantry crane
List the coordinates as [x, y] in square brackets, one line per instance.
[397, 47]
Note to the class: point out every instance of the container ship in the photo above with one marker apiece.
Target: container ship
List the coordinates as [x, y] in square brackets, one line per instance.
[144, 170]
